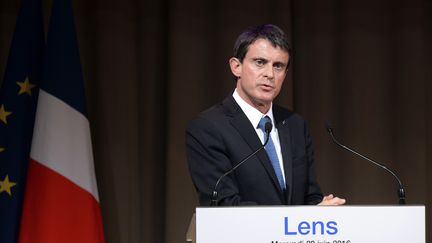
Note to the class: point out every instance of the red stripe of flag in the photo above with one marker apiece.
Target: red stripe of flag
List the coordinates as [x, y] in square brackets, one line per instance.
[62, 206]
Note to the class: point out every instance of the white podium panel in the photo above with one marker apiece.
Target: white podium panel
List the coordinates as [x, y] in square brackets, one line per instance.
[311, 224]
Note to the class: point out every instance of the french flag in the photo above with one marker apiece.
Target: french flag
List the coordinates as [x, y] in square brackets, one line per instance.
[61, 201]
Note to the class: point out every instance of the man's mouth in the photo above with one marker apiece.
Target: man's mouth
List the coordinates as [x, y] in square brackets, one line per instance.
[266, 87]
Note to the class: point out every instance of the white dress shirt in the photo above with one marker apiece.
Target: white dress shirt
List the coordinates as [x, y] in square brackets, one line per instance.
[254, 117]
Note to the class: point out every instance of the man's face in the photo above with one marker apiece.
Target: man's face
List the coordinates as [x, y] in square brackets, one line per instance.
[261, 75]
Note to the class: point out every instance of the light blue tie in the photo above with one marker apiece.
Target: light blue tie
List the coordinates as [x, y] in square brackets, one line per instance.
[271, 152]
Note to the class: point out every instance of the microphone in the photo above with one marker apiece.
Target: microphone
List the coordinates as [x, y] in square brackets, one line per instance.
[214, 200]
[401, 191]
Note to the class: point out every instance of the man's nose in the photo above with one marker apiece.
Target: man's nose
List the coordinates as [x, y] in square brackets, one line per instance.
[269, 71]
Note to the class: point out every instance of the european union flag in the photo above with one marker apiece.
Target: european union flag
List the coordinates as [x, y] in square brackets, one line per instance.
[18, 98]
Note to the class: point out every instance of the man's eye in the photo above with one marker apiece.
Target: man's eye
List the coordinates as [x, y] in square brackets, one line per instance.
[259, 62]
[279, 67]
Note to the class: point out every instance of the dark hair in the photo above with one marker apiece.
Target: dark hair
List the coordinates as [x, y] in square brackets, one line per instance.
[267, 31]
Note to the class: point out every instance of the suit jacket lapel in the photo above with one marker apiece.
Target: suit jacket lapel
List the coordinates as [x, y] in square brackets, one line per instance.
[285, 143]
[240, 121]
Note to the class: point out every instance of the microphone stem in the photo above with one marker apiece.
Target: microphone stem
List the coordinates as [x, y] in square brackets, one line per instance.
[214, 200]
[401, 191]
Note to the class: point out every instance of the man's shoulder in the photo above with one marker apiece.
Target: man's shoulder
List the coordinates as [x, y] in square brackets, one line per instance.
[283, 114]
[214, 116]
[214, 112]
[227, 107]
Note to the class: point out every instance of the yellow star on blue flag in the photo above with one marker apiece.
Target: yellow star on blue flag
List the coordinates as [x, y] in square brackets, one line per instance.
[6, 185]
[4, 114]
[25, 87]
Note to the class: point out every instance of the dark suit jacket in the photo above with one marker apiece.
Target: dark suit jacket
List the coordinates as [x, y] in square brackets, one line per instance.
[222, 136]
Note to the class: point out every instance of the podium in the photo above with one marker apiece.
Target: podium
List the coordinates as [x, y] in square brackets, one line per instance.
[308, 224]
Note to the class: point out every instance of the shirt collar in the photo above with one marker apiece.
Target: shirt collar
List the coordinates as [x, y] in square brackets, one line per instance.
[251, 112]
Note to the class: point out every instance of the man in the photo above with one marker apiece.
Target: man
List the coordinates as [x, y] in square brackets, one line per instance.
[218, 139]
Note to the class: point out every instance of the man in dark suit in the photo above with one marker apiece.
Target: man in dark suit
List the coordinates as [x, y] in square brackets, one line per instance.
[219, 138]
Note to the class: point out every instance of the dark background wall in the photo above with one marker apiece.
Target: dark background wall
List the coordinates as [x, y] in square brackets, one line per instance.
[150, 66]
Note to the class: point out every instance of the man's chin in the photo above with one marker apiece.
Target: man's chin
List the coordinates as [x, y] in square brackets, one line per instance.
[263, 101]
[266, 99]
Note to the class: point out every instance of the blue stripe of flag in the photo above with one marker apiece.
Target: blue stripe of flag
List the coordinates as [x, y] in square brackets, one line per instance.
[62, 74]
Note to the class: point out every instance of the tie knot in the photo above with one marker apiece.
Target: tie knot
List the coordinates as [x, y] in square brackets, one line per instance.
[263, 121]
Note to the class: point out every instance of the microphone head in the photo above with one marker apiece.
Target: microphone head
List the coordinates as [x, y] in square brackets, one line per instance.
[268, 127]
[329, 127]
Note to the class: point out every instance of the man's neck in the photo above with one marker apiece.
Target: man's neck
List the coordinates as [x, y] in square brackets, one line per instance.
[261, 107]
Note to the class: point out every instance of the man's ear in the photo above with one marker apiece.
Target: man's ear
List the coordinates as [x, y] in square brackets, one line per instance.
[235, 66]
